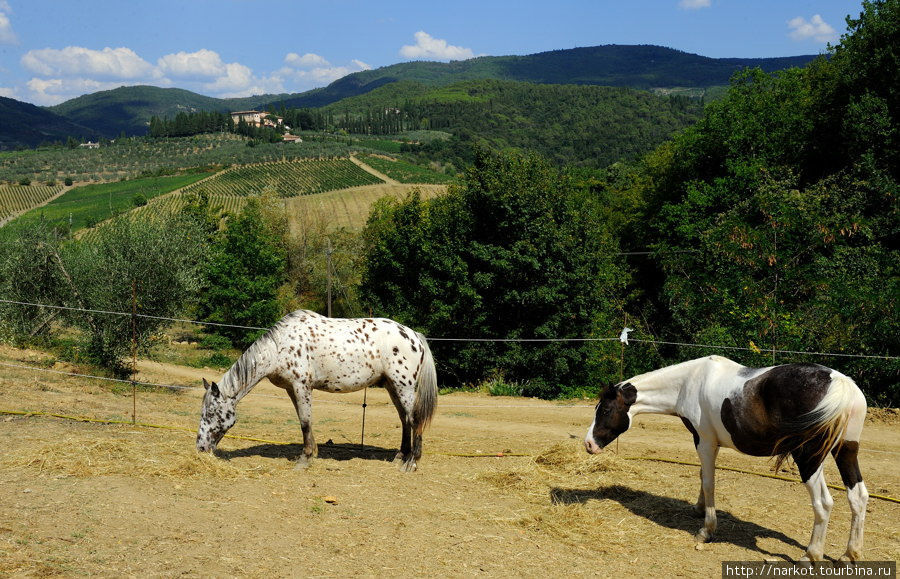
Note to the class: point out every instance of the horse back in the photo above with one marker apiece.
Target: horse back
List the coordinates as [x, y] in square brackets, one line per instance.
[348, 354]
[771, 405]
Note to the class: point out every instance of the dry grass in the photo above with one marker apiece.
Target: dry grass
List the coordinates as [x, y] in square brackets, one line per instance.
[127, 452]
[350, 207]
[568, 493]
[114, 499]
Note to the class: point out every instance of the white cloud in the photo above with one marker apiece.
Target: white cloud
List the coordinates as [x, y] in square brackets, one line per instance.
[308, 60]
[7, 34]
[694, 4]
[62, 74]
[816, 28]
[203, 64]
[238, 81]
[52, 91]
[427, 47]
[9, 92]
[311, 76]
[74, 61]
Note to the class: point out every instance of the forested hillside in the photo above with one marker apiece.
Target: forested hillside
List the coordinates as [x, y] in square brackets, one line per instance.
[128, 109]
[584, 125]
[641, 67]
[25, 125]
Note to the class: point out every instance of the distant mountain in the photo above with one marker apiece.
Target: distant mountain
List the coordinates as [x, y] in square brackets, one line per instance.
[25, 125]
[129, 109]
[641, 67]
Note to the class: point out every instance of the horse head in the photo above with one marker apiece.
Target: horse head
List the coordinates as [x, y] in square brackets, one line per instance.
[216, 417]
[610, 416]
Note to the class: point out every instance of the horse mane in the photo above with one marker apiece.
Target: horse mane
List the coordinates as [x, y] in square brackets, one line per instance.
[237, 380]
[824, 425]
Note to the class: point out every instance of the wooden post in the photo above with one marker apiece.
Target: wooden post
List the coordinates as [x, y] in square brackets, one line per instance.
[328, 252]
[133, 350]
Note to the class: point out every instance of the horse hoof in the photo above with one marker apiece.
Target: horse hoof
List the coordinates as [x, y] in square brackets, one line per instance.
[399, 458]
[302, 463]
[807, 560]
[408, 466]
[702, 536]
[847, 559]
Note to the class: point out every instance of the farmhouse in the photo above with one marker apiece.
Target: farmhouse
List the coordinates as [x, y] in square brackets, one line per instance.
[257, 118]
[89, 145]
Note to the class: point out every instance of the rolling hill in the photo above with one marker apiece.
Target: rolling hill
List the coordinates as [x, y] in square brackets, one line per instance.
[640, 66]
[643, 67]
[129, 108]
[569, 124]
[25, 125]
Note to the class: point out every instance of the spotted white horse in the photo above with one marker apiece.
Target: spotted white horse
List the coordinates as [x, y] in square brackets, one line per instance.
[801, 410]
[305, 351]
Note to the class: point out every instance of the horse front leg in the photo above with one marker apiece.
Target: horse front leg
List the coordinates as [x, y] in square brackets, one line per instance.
[707, 451]
[301, 397]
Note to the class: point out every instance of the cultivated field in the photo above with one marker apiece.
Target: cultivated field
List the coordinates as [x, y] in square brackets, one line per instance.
[288, 179]
[112, 499]
[16, 199]
[328, 198]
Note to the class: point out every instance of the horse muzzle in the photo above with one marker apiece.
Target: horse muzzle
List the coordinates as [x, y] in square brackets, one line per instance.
[592, 447]
[205, 446]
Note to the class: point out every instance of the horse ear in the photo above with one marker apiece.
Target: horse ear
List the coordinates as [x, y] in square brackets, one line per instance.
[610, 392]
[214, 389]
[205, 384]
[629, 393]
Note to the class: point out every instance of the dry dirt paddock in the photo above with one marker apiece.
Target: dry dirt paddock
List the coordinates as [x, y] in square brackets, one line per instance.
[83, 498]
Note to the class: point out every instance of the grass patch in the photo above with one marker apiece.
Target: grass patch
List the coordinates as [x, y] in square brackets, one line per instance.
[406, 172]
[86, 206]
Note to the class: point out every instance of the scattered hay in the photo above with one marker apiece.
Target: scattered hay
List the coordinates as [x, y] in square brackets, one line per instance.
[571, 460]
[128, 456]
[571, 495]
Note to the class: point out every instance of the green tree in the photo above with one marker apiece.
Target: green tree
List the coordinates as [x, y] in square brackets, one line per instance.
[775, 217]
[29, 273]
[244, 273]
[153, 261]
[516, 252]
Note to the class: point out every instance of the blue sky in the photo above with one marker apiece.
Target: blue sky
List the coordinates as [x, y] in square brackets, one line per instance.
[54, 50]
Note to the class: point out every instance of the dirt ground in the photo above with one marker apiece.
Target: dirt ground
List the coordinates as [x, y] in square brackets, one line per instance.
[88, 498]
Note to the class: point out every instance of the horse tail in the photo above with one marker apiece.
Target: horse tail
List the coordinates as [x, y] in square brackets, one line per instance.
[824, 426]
[426, 389]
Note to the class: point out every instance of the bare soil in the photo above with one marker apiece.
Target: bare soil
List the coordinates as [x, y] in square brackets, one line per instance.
[92, 498]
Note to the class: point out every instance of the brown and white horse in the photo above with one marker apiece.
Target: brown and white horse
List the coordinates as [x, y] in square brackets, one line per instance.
[801, 410]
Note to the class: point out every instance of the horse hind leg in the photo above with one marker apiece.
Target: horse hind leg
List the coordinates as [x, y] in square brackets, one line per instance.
[406, 458]
[845, 455]
[811, 472]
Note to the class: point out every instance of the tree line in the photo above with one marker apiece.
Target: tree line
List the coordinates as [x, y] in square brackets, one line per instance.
[203, 122]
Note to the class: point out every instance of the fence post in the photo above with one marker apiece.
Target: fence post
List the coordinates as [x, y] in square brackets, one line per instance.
[133, 350]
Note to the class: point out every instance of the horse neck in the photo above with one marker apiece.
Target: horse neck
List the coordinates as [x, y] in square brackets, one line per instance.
[658, 391]
[256, 363]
